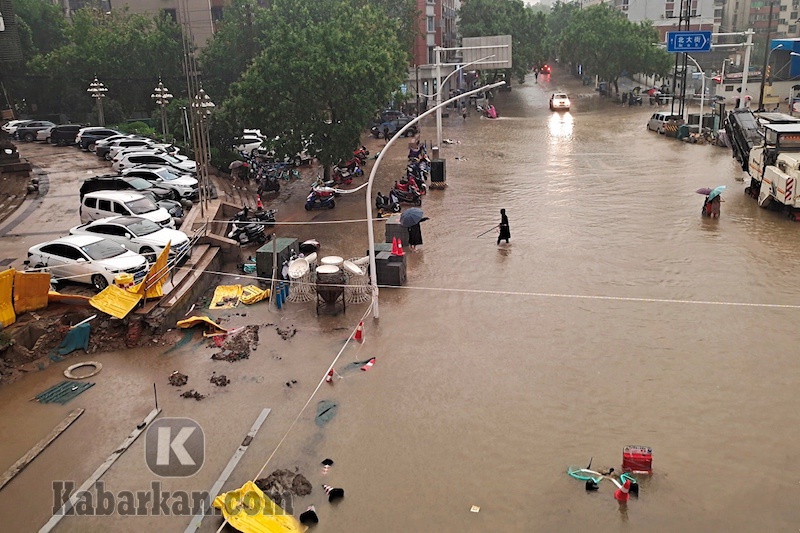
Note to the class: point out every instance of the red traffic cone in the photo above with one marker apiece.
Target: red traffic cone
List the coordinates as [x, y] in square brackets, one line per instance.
[360, 332]
[399, 247]
[329, 377]
[369, 365]
[621, 493]
[259, 205]
[309, 517]
[333, 493]
[394, 245]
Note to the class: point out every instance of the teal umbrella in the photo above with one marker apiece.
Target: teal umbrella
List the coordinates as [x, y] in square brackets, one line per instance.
[716, 192]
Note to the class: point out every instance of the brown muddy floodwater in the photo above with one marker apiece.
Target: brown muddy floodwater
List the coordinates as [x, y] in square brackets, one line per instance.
[616, 316]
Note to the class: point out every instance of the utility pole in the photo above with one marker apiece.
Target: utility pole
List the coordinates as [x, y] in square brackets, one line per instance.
[767, 53]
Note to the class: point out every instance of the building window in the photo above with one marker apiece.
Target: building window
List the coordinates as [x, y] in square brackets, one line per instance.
[792, 28]
[784, 7]
[431, 24]
[668, 14]
[793, 15]
[431, 1]
[171, 13]
[216, 13]
[694, 12]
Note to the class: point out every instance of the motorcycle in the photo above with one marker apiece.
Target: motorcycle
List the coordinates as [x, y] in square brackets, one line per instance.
[361, 154]
[410, 196]
[268, 183]
[245, 233]
[353, 166]
[319, 198]
[385, 203]
[249, 227]
[341, 176]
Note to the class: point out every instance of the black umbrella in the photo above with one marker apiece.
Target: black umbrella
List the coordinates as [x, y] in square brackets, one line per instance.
[411, 217]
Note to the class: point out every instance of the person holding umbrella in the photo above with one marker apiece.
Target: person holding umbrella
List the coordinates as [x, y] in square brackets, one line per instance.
[711, 206]
[411, 219]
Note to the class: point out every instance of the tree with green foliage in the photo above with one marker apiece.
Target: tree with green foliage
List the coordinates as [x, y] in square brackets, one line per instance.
[528, 29]
[237, 42]
[405, 14]
[326, 67]
[41, 26]
[558, 20]
[606, 43]
[128, 53]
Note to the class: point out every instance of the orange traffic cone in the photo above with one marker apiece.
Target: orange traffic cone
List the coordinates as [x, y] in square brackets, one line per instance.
[259, 205]
[333, 493]
[360, 332]
[399, 247]
[369, 365]
[329, 377]
[394, 245]
[621, 493]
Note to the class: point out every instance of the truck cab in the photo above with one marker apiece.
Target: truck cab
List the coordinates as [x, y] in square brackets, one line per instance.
[774, 167]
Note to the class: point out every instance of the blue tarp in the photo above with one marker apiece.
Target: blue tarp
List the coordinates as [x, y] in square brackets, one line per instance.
[76, 338]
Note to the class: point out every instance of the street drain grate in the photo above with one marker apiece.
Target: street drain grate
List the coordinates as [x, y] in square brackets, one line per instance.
[7, 261]
[63, 392]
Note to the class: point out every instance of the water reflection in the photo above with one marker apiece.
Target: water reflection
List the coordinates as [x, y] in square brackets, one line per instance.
[560, 127]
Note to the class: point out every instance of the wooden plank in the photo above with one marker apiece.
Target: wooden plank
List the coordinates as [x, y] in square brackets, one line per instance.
[226, 473]
[70, 503]
[26, 459]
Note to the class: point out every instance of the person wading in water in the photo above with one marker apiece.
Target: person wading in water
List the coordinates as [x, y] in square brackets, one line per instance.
[505, 230]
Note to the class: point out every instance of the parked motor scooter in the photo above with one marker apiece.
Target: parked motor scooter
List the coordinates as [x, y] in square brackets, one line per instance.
[385, 203]
[319, 198]
[409, 196]
[361, 154]
[246, 232]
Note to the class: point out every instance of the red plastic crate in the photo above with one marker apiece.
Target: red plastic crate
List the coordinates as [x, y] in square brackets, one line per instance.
[637, 459]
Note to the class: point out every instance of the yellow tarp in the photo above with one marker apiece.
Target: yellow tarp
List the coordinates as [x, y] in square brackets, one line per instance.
[155, 276]
[30, 291]
[250, 511]
[115, 301]
[226, 297]
[7, 316]
[252, 294]
[213, 330]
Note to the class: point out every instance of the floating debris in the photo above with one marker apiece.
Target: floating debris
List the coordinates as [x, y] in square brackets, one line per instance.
[191, 393]
[286, 333]
[220, 381]
[176, 379]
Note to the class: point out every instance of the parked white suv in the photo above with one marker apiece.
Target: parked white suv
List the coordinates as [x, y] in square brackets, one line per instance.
[133, 159]
[103, 204]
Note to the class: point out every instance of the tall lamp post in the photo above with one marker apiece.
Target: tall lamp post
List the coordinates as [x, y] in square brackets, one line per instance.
[702, 92]
[370, 230]
[161, 96]
[98, 92]
[202, 107]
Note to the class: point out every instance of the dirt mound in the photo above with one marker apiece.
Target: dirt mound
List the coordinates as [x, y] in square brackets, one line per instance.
[220, 381]
[191, 393]
[238, 345]
[176, 379]
[283, 481]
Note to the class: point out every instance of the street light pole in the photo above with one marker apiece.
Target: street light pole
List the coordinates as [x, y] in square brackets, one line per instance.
[370, 230]
[161, 97]
[702, 92]
[98, 92]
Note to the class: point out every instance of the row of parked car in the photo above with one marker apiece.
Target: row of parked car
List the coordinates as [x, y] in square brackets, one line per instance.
[127, 218]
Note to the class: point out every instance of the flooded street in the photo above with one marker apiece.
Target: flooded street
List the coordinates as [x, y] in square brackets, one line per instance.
[616, 316]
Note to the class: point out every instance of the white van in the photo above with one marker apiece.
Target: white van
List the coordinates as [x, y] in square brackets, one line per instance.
[102, 204]
[658, 120]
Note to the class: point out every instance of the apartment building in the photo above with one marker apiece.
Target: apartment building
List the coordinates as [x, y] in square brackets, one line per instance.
[436, 27]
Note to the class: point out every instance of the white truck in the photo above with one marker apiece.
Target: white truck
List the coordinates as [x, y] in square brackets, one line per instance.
[774, 169]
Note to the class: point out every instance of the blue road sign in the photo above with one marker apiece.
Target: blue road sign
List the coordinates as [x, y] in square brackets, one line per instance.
[688, 41]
